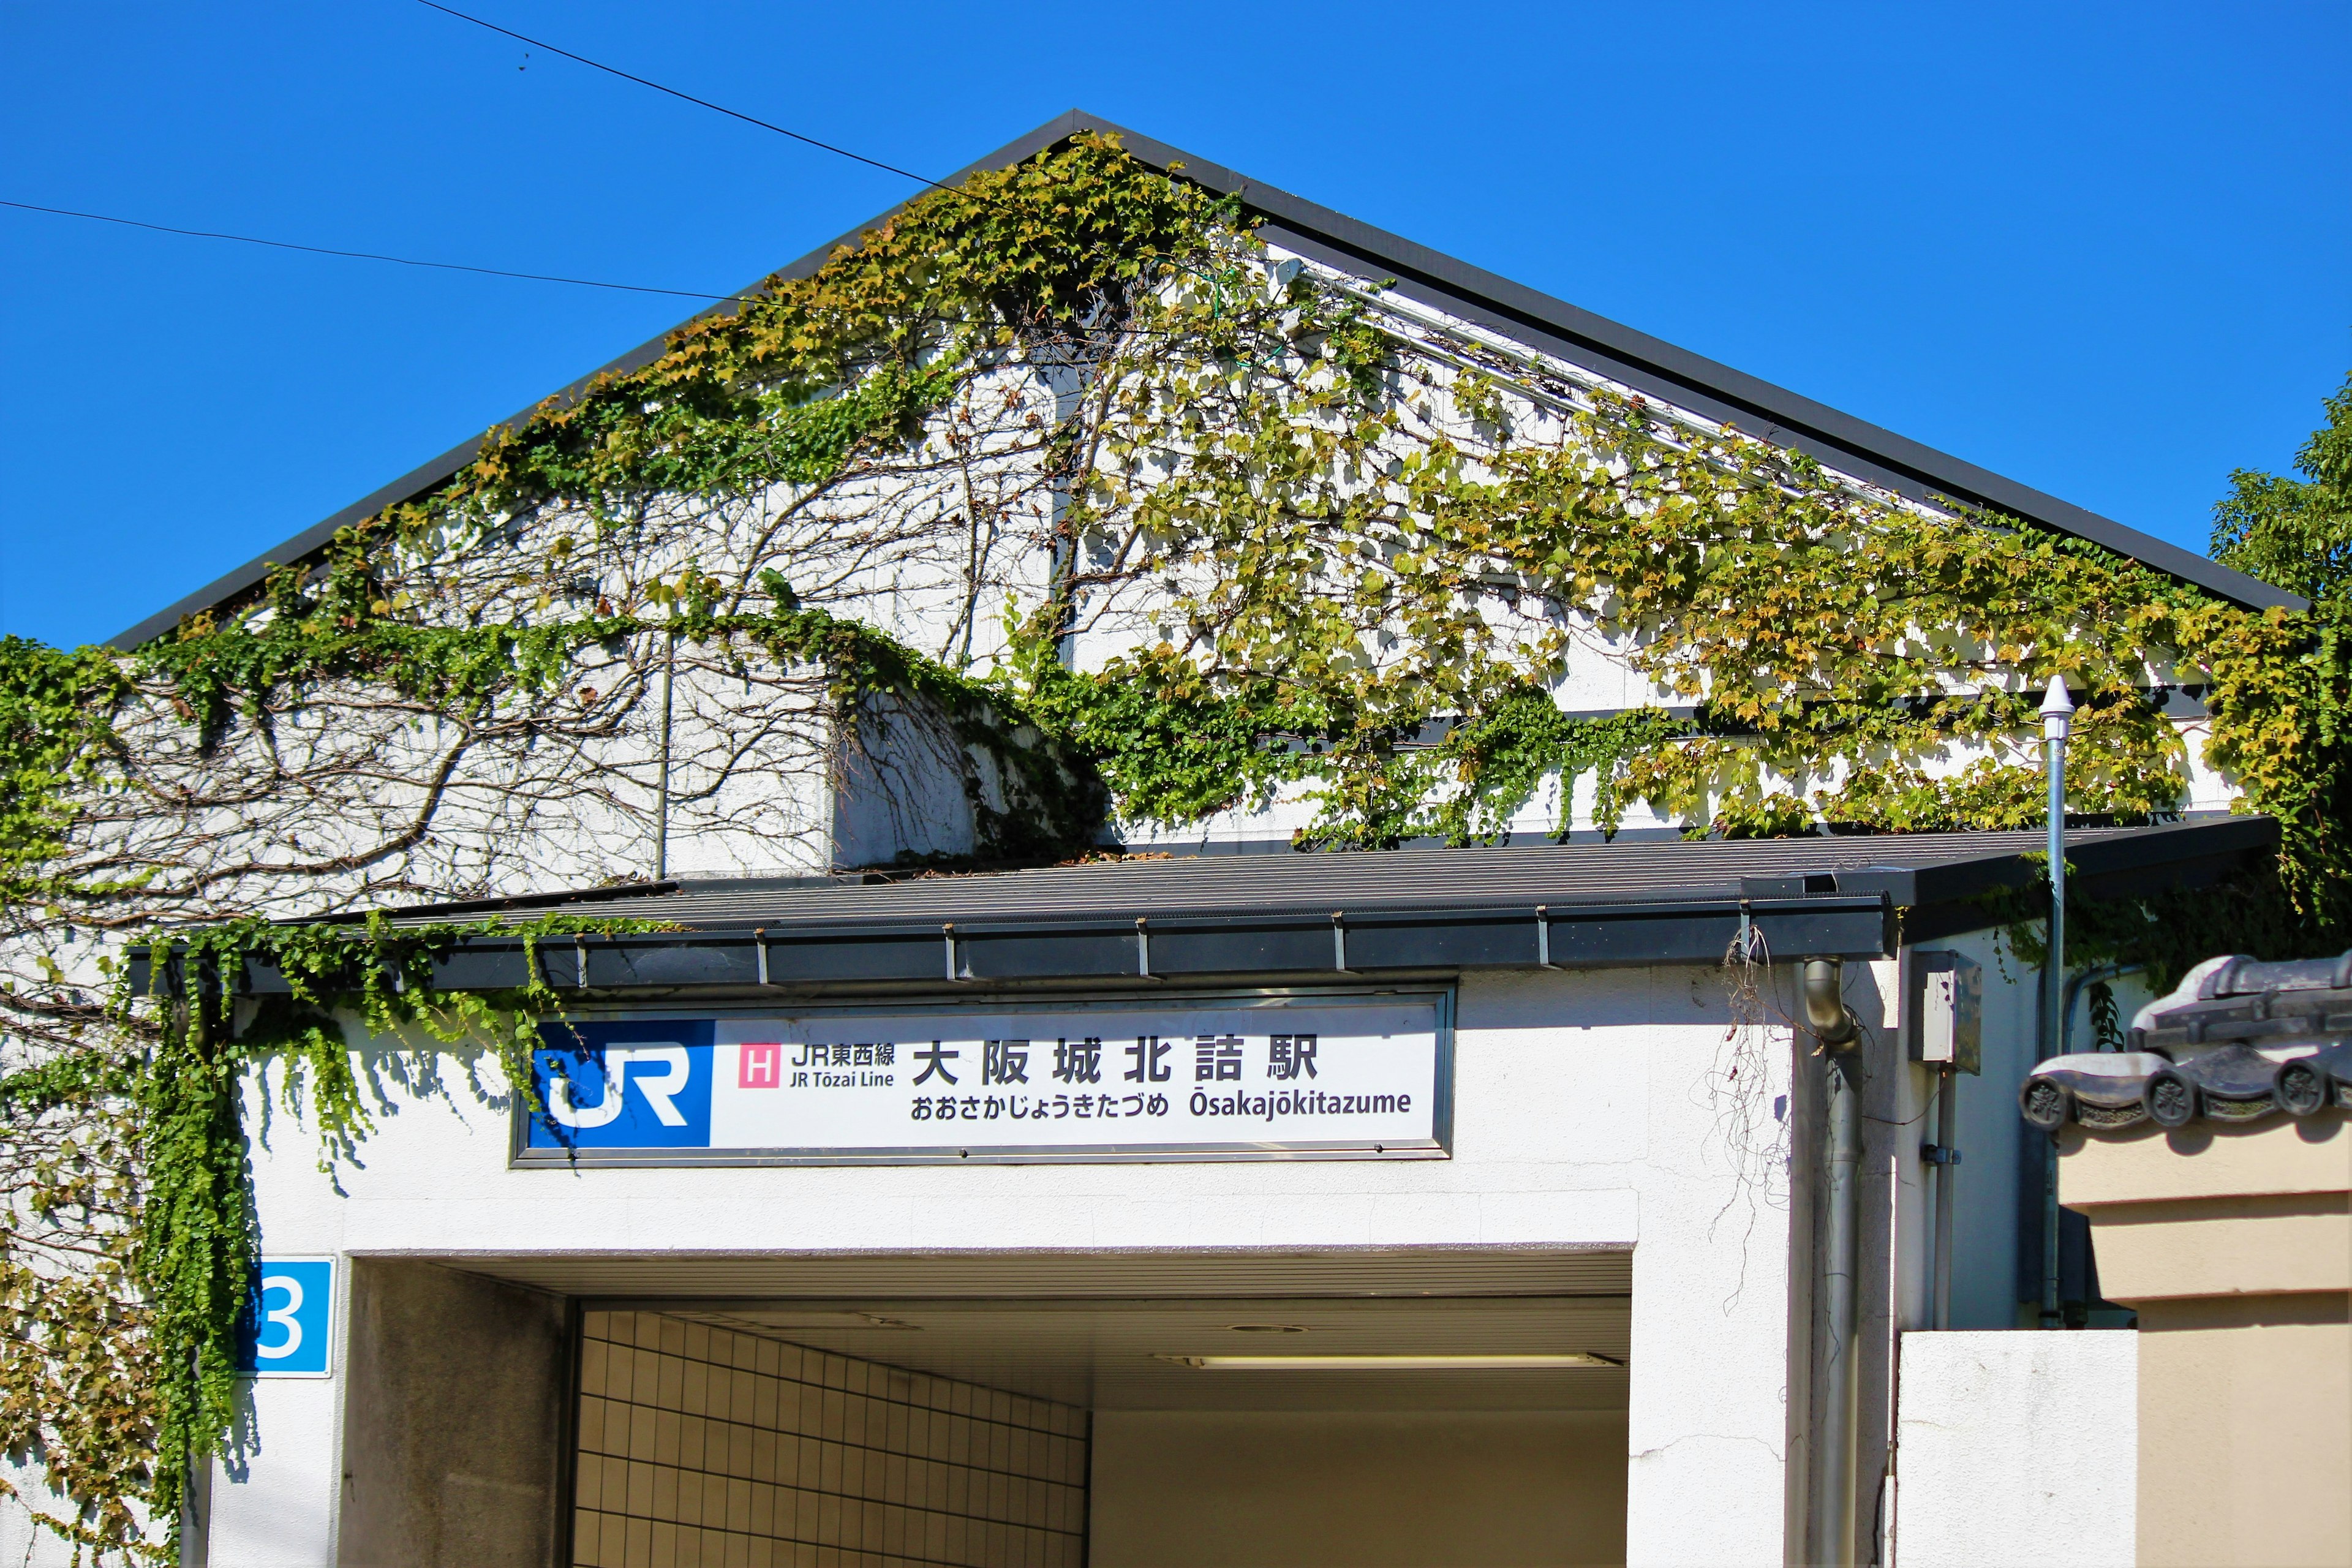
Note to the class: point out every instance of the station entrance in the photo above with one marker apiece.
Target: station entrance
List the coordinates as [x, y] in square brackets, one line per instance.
[1101, 1411]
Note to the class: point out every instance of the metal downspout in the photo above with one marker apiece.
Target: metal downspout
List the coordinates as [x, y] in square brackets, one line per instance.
[661, 774]
[1833, 1535]
[1948, 1121]
[2075, 985]
[2053, 1309]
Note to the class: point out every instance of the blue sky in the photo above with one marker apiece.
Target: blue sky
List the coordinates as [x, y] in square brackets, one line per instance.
[2104, 249]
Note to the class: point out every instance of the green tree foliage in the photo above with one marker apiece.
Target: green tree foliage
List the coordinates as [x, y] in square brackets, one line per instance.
[2296, 534]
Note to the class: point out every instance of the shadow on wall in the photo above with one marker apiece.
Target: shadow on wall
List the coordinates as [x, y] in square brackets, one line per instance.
[1418, 1489]
[452, 1421]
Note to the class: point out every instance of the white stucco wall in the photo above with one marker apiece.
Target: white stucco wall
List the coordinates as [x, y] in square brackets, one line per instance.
[1590, 1111]
[23, 1543]
[275, 1512]
[275, 1507]
[2017, 1448]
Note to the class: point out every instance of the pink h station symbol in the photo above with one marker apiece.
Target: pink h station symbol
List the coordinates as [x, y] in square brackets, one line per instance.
[759, 1063]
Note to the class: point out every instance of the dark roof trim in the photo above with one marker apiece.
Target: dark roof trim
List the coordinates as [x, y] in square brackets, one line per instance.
[1331, 946]
[1943, 873]
[1691, 381]
[1646, 363]
[1266, 919]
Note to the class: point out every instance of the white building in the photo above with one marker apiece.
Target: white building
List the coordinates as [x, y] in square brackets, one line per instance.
[1467, 1206]
[1611, 1167]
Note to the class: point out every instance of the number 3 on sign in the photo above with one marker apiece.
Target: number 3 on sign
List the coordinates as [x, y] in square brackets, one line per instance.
[288, 1327]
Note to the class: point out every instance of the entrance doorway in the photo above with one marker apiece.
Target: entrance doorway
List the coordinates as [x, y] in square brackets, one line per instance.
[1109, 1411]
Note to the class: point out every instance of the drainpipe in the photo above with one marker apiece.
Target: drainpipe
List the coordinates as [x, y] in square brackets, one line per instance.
[2052, 1313]
[2057, 718]
[1947, 1155]
[2075, 985]
[1829, 1023]
[661, 776]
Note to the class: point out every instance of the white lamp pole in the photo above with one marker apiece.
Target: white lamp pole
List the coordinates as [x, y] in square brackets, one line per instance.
[2057, 718]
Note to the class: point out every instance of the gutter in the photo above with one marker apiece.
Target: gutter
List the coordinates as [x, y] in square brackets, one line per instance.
[842, 954]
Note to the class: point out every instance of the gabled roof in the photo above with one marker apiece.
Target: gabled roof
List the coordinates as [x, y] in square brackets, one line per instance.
[1551, 326]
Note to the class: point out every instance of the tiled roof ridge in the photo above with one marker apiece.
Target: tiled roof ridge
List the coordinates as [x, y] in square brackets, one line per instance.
[2237, 1041]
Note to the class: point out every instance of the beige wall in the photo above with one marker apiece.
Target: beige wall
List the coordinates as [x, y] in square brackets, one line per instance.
[2246, 1432]
[2235, 1246]
[1425, 1489]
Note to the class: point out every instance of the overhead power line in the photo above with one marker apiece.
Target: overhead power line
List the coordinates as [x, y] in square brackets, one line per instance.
[363, 255]
[688, 97]
[704, 102]
[506, 272]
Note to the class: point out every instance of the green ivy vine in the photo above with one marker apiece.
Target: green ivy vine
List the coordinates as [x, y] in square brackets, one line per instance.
[121, 1431]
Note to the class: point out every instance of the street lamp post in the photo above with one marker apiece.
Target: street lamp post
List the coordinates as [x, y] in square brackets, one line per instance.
[2057, 718]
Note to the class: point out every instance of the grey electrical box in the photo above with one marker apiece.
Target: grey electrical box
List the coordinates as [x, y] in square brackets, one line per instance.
[1946, 1010]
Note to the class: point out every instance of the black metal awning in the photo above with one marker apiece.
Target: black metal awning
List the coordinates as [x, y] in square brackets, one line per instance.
[1265, 917]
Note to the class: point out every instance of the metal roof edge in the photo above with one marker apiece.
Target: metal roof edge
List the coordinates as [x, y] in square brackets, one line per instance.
[1624, 353]
[1946, 900]
[1670, 921]
[1660, 902]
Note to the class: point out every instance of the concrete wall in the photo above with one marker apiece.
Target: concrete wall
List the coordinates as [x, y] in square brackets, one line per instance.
[1593, 1109]
[273, 1503]
[1895, 1223]
[1991, 1184]
[454, 1422]
[1427, 1489]
[2015, 1447]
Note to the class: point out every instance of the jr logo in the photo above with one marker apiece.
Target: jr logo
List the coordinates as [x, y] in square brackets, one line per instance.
[638, 1084]
[657, 1087]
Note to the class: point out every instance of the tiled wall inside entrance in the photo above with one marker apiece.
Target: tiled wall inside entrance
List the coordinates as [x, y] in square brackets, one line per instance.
[703, 1448]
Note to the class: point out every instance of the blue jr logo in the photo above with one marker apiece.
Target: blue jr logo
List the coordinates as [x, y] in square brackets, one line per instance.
[635, 1084]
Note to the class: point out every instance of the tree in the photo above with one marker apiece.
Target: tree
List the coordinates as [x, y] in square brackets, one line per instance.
[2296, 534]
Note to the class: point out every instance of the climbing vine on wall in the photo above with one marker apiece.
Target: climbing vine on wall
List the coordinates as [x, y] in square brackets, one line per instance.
[1065, 477]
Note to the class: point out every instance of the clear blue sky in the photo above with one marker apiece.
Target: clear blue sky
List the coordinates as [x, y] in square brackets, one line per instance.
[2104, 249]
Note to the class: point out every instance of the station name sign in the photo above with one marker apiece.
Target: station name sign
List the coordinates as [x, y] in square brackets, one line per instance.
[1268, 1076]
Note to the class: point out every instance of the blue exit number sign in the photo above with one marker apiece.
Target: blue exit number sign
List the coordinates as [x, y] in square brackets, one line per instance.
[287, 1329]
